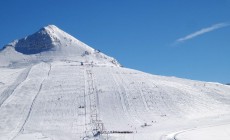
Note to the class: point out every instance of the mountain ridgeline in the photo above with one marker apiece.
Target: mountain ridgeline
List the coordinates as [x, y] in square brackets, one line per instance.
[50, 44]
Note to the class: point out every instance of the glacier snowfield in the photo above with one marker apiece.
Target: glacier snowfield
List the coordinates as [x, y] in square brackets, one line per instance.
[53, 101]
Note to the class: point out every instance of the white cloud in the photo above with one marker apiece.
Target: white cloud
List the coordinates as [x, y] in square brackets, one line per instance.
[202, 31]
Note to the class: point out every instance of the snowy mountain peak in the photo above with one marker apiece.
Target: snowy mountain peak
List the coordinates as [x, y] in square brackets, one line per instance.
[56, 34]
[52, 43]
[52, 27]
[48, 38]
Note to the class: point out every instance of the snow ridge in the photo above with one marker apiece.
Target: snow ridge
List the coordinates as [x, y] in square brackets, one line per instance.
[49, 44]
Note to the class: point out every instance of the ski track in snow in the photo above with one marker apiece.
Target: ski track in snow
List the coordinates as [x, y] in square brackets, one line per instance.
[66, 96]
[22, 77]
[124, 100]
[31, 107]
[213, 132]
[128, 100]
[22, 95]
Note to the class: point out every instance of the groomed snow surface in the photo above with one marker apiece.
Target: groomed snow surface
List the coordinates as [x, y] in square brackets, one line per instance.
[54, 101]
[54, 87]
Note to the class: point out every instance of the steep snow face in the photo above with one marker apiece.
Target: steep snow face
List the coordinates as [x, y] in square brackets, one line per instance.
[49, 44]
[36, 43]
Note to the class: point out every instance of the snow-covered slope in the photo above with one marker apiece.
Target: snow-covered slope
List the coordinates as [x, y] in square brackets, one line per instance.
[53, 97]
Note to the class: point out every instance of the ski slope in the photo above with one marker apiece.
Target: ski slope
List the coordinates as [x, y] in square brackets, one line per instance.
[47, 102]
[61, 99]
[220, 132]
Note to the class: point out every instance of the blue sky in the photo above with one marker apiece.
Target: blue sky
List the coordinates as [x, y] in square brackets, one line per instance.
[187, 39]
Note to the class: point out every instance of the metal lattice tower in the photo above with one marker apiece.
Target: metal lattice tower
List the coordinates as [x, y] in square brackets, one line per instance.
[96, 124]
